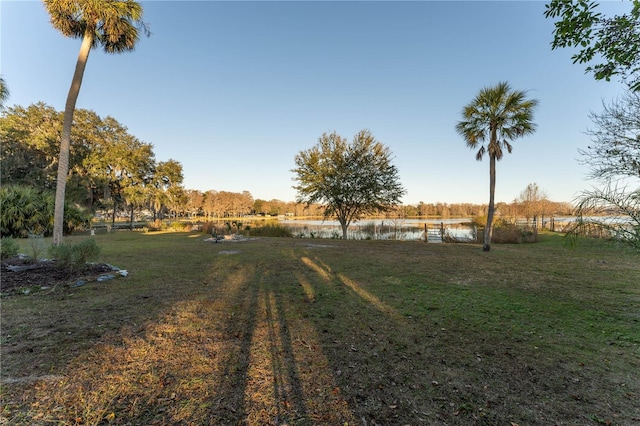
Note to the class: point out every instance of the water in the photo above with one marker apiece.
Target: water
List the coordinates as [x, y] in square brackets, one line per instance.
[384, 229]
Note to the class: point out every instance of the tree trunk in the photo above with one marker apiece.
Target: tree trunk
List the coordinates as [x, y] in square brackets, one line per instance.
[345, 226]
[65, 142]
[488, 230]
[131, 217]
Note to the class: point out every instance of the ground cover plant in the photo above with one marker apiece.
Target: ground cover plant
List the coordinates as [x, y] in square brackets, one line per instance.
[300, 331]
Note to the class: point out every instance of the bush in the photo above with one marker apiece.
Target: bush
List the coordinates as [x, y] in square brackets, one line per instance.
[75, 218]
[181, 226]
[74, 257]
[25, 211]
[155, 225]
[35, 248]
[479, 221]
[505, 232]
[8, 247]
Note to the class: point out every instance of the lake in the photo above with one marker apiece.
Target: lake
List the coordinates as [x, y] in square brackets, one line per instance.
[384, 229]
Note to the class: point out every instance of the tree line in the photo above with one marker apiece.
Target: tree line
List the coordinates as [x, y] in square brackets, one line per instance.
[109, 169]
[350, 180]
[112, 171]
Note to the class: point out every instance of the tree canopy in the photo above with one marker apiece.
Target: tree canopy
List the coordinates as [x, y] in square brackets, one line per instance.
[351, 179]
[533, 201]
[609, 45]
[615, 139]
[107, 165]
[114, 25]
[4, 92]
[613, 44]
[29, 145]
[614, 157]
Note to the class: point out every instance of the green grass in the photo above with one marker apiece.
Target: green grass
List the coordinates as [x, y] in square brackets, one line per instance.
[296, 331]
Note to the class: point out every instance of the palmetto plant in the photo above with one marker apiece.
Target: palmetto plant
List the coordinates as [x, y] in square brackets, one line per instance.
[24, 211]
[112, 24]
[28, 211]
[496, 116]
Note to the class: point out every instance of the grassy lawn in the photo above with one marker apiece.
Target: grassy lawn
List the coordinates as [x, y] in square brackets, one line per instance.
[305, 331]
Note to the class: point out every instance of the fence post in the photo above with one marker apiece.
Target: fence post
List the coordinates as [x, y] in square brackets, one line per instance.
[442, 231]
[426, 233]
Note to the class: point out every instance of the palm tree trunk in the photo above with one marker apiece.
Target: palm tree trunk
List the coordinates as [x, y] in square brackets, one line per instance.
[65, 142]
[488, 230]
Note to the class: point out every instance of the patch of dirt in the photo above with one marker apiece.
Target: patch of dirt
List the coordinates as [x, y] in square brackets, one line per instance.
[44, 274]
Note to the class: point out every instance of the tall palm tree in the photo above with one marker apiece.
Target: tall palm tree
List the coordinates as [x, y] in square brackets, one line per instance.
[4, 92]
[112, 24]
[496, 116]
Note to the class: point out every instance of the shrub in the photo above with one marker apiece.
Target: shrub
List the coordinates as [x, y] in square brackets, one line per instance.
[180, 226]
[75, 218]
[8, 247]
[74, 257]
[479, 221]
[505, 232]
[156, 225]
[35, 248]
[25, 211]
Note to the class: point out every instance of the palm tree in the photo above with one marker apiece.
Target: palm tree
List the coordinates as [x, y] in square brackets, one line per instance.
[4, 92]
[496, 115]
[112, 24]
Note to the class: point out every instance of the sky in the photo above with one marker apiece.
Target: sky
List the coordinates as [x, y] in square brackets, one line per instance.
[234, 90]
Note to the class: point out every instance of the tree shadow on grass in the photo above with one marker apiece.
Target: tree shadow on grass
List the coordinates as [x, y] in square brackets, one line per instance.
[287, 388]
[230, 405]
[189, 365]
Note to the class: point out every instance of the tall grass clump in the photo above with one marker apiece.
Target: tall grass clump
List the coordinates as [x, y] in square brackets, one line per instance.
[368, 229]
[271, 230]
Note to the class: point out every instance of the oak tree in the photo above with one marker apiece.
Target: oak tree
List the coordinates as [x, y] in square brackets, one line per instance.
[350, 179]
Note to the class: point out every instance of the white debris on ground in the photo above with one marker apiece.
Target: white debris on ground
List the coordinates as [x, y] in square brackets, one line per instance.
[233, 238]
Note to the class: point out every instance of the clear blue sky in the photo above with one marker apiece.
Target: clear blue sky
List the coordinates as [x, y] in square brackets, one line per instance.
[234, 90]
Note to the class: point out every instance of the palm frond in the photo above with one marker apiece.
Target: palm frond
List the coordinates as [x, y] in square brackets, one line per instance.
[115, 24]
